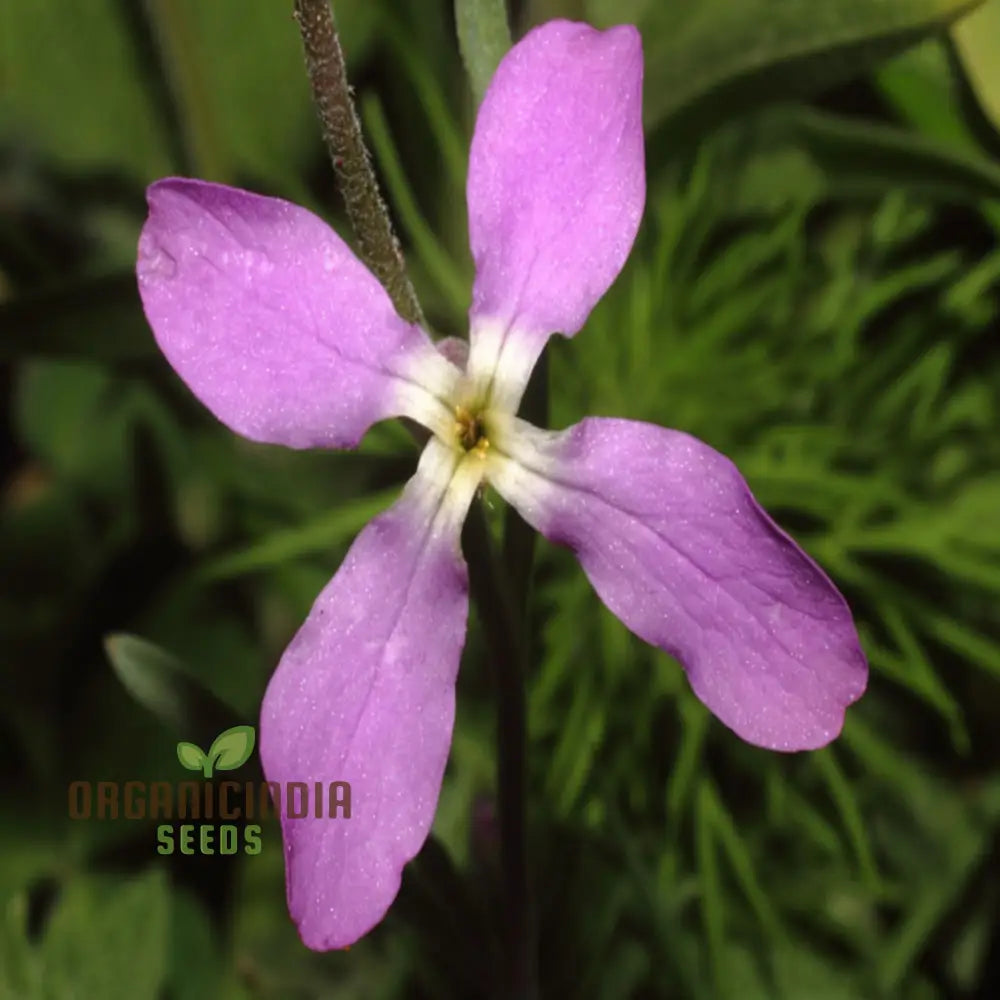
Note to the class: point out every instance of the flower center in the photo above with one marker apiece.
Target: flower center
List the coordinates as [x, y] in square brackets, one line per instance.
[470, 430]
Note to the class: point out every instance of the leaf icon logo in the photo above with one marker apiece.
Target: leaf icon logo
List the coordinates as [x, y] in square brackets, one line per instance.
[229, 750]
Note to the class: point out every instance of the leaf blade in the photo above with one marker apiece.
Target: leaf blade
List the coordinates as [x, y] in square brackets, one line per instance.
[711, 60]
[162, 685]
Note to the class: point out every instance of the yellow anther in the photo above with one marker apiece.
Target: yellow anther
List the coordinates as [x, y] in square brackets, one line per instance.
[468, 428]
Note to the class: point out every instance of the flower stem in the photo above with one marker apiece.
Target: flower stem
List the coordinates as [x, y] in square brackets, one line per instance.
[483, 37]
[367, 212]
[506, 639]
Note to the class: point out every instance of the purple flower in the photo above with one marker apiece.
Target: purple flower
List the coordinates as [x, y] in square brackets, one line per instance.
[278, 329]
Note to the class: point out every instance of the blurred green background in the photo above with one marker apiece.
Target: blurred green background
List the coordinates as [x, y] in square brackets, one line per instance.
[814, 291]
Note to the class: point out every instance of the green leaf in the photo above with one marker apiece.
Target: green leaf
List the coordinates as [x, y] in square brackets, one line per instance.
[447, 274]
[731, 843]
[977, 39]
[241, 69]
[232, 748]
[87, 111]
[714, 59]
[712, 896]
[419, 67]
[924, 88]
[161, 684]
[844, 798]
[195, 962]
[20, 972]
[688, 758]
[483, 37]
[819, 155]
[218, 88]
[921, 87]
[318, 535]
[960, 858]
[109, 939]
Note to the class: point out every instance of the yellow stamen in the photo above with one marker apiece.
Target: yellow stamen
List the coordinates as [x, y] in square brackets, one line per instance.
[469, 430]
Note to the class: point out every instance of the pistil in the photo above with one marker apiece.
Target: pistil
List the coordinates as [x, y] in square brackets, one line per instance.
[470, 431]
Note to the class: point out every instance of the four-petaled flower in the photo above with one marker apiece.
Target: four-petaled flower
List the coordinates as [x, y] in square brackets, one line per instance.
[286, 337]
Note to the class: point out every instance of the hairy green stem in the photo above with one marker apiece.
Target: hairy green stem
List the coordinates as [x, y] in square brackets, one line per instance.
[505, 635]
[483, 37]
[367, 212]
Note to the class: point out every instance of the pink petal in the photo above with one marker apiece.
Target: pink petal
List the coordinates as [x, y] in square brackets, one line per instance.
[273, 323]
[678, 548]
[556, 181]
[365, 694]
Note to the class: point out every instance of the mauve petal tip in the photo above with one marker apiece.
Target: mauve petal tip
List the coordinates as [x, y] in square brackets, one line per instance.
[670, 536]
[627, 37]
[164, 185]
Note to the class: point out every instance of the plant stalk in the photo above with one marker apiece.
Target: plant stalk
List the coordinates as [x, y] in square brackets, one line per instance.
[366, 210]
[506, 635]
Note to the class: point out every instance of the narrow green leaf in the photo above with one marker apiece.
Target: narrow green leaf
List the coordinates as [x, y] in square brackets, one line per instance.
[850, 815]
[418, 65]
[813, 825]
[574, 754]
[820, 154]
[882, 759]
[483, 37]
[445, 272]
[729, 839]
[161, 684]
[937, 894]
[911, 667]
[974, 284]
[712, 907]
[694, 730]
[315, 536]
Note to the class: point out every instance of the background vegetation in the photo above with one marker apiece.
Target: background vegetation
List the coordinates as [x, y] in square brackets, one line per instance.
[815, 292]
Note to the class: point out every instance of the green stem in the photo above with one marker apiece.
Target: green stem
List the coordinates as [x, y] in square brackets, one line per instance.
[483, 37]
[367, 212]
[515, 573]
[505, 636]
